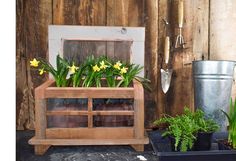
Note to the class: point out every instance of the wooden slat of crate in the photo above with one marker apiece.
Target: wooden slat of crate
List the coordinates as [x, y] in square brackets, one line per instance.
[79, 112]
[90, 133]
[49, 142]
[91, 92]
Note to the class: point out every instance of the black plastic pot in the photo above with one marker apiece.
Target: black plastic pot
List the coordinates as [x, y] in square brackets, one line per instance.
[222, 146]
[162, 149]
[172, 144]
[203, 141]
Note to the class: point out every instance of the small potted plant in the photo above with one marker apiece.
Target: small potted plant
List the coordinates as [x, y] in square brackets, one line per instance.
[230, 143]
[181, 130]
[206, 128]
[189, 131]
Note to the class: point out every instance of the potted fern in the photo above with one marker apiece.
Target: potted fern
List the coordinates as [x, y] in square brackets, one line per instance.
[181, 131]
[206, 128]
[230, 143]
[189, 131]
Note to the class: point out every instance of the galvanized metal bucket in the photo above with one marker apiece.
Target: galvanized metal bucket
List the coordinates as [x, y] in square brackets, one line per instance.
[212, 88]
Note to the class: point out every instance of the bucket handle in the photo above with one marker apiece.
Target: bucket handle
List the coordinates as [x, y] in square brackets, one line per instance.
[234, 77]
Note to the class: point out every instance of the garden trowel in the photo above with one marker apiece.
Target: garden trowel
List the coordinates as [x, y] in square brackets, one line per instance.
[166, 73]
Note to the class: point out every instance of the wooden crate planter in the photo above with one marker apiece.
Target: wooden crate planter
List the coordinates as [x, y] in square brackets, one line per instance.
[46, 137]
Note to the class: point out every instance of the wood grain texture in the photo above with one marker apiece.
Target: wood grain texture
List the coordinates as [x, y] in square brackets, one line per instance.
[41, 149]
[222, 33]
[85, 12]
[163, 31]
[200, 29]
[78, 112]
[84, 135]
[40, 119]
[151, 59]
[70, 142]
[31, 41]
[138, 110]
[181, 90]
[216, 42]
[90, 133]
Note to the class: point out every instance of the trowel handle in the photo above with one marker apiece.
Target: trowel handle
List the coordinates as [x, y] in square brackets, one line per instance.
[167, 49]
[181, 13]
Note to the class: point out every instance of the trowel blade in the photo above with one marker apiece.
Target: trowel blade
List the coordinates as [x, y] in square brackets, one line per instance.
[166, 79]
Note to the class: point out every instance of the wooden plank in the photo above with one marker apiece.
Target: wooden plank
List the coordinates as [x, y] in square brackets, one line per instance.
[70, 142]
[41, 149]
[67, 112]
[151, 59]
[90, 133]
[122, 51]
[93, 92]
[181, 91]
[90, 109]
[138, 110]
[40, 118]
[139, 148]
[114, 113]
[78, 112]
[92, 12]
[125, 12]
[22, 92]
[84, 12]
[136, 13]
[117, 12]
[40, 90]
[200, 29]
[163, 14]
[222, 33]
[31, 41]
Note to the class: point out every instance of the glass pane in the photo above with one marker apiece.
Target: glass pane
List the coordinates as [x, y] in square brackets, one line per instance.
[55, 104]
[67, 121]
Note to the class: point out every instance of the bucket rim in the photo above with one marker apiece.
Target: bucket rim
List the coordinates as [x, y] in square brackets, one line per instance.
[233, 61]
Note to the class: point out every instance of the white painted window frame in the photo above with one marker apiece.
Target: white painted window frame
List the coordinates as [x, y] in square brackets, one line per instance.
[58, 33]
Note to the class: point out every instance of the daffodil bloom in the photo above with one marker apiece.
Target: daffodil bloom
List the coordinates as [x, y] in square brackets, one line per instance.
[103, 66]
[123, 70]
[41, 71]
[96, 68]
[73, 68]
[34, 63]
[117, 65]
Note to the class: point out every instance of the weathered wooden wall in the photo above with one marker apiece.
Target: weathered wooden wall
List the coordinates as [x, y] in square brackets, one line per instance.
[206, 33]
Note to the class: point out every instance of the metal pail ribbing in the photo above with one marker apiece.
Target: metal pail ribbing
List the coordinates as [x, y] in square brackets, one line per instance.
[212, 88]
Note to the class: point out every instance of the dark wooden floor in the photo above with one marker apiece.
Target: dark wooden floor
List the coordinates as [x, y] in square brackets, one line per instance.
[25, 152]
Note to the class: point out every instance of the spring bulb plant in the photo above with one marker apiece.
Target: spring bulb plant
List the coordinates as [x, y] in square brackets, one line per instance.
[231, 116]
[59, 73]
[92, 72]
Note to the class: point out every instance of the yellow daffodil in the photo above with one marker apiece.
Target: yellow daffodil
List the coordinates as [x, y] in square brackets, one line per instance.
[41, 71]
[73, 68]
[34, 63]
[123, 70]
[102, 65]
[117, 65]
[96, 68]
